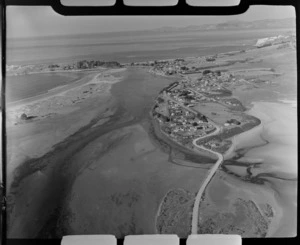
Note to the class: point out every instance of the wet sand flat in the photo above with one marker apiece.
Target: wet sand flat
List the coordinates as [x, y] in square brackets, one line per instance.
[104, 169]
[57, 169]
[121, 189]
[224, 205]
[280, 159]
[269, 159]
[280, 130]
[56, 117]
[259, 176]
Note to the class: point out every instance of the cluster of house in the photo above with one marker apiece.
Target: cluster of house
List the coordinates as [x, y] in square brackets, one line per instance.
[183, 124]
[169, 67]
[177, 66]
[192, 91]
[232, 122]
[233, 104]
[230, 103]
[203, 85]
[218, 145]
[183, 66]
[217, 78]
[188, 97]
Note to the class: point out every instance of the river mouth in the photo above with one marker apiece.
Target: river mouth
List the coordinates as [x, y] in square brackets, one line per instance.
[114, 172]
[59, 171]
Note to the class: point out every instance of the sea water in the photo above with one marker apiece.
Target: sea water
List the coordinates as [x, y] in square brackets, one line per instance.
[26, 86]
[138, 46]
[121, 47]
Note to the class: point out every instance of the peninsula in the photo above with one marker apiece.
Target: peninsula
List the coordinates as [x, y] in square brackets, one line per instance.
[184, 145]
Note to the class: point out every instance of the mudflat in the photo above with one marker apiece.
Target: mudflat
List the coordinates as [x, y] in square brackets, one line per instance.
[87, 158]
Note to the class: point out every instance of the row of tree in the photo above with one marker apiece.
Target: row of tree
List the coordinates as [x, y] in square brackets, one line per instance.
[88, 64]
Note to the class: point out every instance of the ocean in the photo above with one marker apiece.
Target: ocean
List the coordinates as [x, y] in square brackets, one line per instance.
[121, 47]
[138, 46]
[29, 85]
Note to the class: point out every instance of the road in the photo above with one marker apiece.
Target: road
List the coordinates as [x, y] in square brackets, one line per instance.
[182, 105]
[212, 171]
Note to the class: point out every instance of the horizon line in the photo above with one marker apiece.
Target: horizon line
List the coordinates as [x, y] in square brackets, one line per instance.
[145, 30]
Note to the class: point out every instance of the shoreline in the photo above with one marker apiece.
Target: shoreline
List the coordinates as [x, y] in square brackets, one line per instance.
[212, 171]
[57, 71]
[54, 91]
[144, 63]
[86, 130]
[48, 129]
[65, 90]
[268, 165]
[274, 225]
[42, 95]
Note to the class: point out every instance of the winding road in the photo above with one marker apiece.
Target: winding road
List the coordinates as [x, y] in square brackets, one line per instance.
[212, 171]
[214, 168]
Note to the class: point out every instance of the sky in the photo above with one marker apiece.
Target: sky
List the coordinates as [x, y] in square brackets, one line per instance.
[25, 21]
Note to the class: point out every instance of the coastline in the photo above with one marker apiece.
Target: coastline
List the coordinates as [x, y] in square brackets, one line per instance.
[274, 116]
[90, 121]
[53, 122]
[256, 139]
[45, 94]
[277, 160]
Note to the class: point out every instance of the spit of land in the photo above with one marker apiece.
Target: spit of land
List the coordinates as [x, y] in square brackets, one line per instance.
[126, 149]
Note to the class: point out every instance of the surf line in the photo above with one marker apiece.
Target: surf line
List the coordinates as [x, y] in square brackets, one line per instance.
[212, 171]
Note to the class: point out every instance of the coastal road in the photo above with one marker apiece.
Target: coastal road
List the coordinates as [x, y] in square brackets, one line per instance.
[212, 171]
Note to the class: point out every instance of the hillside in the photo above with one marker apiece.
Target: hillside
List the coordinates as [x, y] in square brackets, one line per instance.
[235, 25]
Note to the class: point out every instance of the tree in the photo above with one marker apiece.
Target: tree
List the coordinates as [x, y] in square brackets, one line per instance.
[160, 100]
[24, 116]
[218, 73]
[206, 72]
